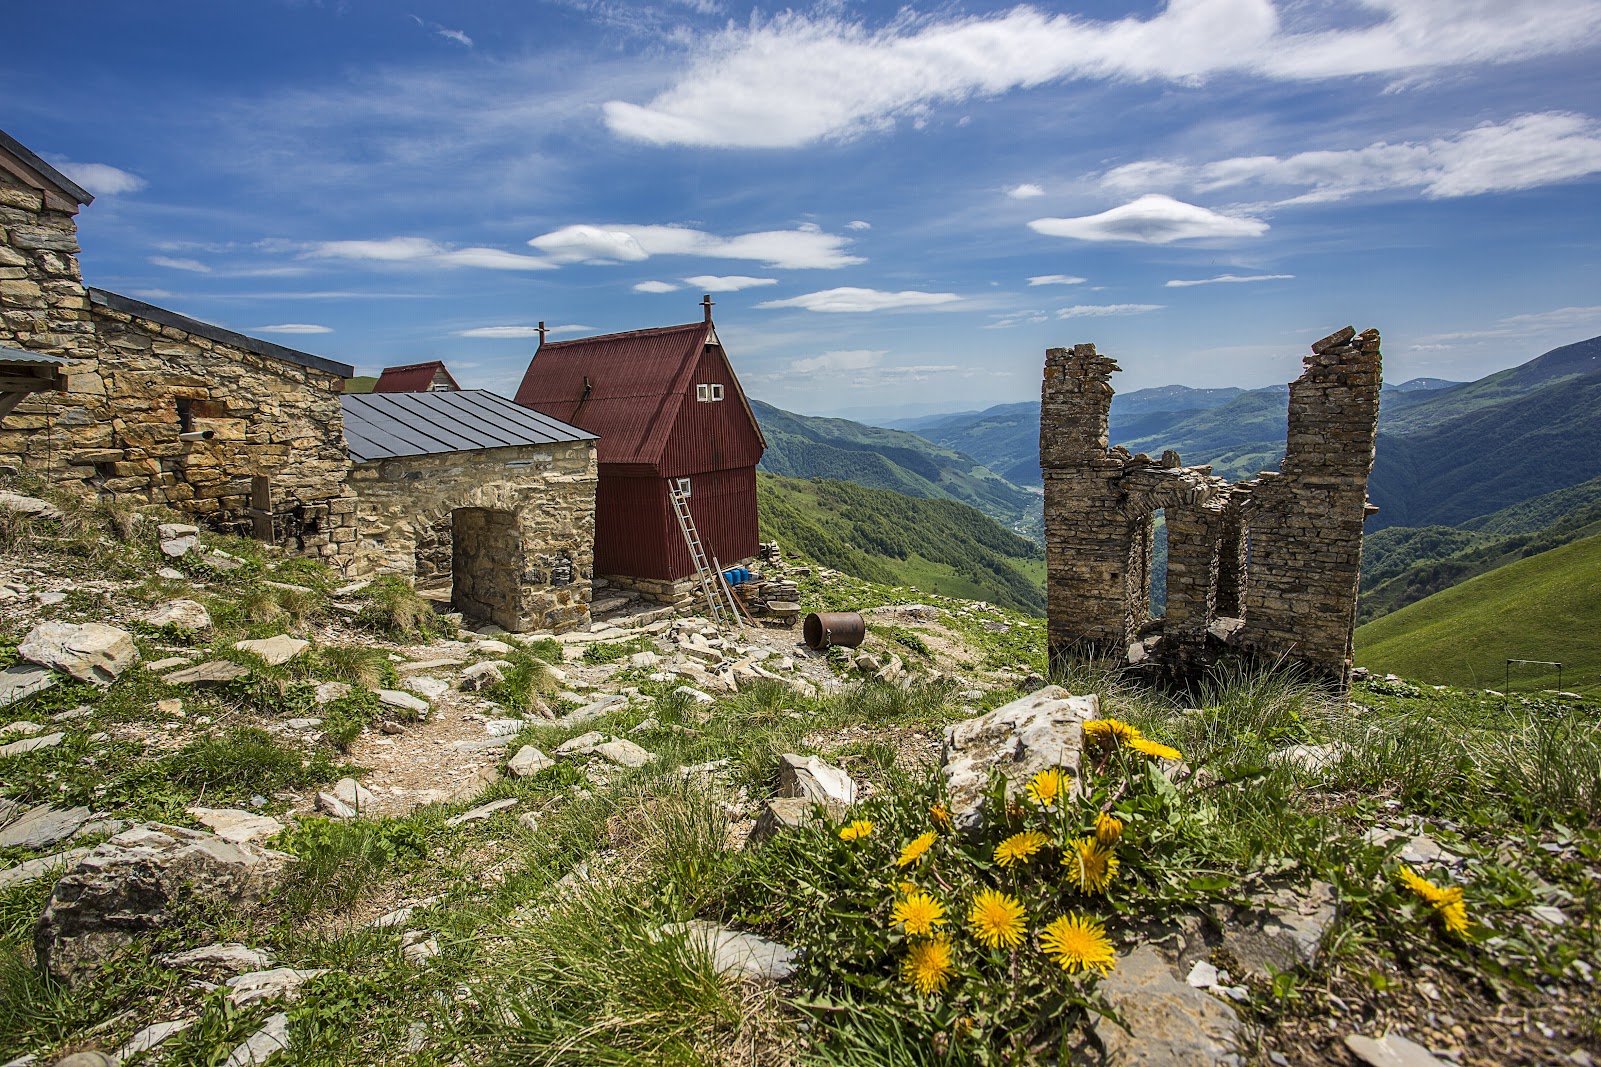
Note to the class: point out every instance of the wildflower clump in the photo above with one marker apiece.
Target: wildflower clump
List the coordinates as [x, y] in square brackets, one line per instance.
[857, 830]
[1445, 900]
[918, 913]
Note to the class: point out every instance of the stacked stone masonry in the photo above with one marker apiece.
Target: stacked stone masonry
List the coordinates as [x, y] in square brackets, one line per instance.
[1265, 569]
[274, 459]
[513, 528]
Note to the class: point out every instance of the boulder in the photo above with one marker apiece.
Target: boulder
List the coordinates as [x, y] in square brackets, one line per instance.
[624, 753]
[1170, 1023]
[481, 675]
[355, 794]
[274, 651]
[136, 882]
[28, 506]
[427, 687]
[184, 616]
[528, 762]
[1020, 739]
[92, 652]
[815, 781]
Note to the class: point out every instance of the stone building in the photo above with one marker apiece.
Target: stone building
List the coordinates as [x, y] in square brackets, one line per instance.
[467, 488]
[1265, 569]
[159, 408]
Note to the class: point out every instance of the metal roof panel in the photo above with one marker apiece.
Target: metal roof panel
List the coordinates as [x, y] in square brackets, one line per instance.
[392, 425]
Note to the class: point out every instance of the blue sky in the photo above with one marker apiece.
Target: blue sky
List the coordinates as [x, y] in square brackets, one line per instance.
[895, 208]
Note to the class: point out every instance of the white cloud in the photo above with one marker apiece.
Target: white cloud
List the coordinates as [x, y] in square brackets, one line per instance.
[455, 35]
[852, 359]
[795, 79]
[1152, 219]
[1056, 279]
[177, 263]
[1098, 311]
[655, 287]
[800, 248]
[851, 299]
[518, 332]
[101, 179]
[729, 283]
[1525, 152]
[422, 251]
[1184, 283]
[1011, 319]
[858, 224]
[1026, 191]
[293, 327]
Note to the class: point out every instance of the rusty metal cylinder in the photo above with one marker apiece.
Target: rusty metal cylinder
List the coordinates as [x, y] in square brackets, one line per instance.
[826, 629]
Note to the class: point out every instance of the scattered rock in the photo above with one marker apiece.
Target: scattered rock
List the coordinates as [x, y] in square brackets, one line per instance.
[1171, 1024]
[528, 762]
[37, 868]
[151, 1036]
[735, 953]
[591, 711]
[1391, 1050]
[694, 694]
[231, 824]
[21, 728]
[1285, 933]
[355, 794]
[29, 506]
[480, 676]
[166, 664]
[92, 652]
[416, 1038]
[274, 651]
[134, 883]
[1031, 734]
[272, 1037]
[171, 574]
[277, 983]
[624, 753]
[28, 744]
[328, 692]
[483, 811]
[212, 672]
[581, 745]
[1310, 759]
[419, 948]
[405, 701]
[90, 1058]
[815, 781]
[493, 647]
[231, 958]
[784, 813]
[184, 616]
[23, 680]
[43, 826]
[427, 687]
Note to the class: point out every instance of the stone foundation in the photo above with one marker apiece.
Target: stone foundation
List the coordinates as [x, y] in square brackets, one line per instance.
[518, 525]
[1266, 569]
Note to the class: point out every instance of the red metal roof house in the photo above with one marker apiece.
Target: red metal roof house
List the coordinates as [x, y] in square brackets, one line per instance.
[666, 404]
[430, 377]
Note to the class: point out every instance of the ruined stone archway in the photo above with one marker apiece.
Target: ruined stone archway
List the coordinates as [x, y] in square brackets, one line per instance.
[486, 564]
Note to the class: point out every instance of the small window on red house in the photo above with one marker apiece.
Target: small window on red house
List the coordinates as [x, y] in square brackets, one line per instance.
[703, 392]
[683, 487]
[717, 391]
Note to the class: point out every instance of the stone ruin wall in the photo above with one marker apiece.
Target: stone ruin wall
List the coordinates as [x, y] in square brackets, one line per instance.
[115, 431]
[1265, 569]
[513, 528]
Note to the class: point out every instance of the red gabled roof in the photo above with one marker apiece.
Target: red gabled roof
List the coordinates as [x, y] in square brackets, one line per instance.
[626, 387]
[412, 378]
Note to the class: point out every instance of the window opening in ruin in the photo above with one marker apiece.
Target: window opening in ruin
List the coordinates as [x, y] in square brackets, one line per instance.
[1156, 593]
[186, 417]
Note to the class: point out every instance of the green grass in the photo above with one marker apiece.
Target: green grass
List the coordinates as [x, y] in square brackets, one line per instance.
[1541, 608]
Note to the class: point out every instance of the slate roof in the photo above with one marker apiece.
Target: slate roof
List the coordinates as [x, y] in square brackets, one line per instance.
[139, 309]
[627, 387]
[50, 174]
[412, 378]
[390, 425]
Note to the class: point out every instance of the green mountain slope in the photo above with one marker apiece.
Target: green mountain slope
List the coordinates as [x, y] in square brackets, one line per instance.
[802, 446]
[1546, 607]
[938, 546]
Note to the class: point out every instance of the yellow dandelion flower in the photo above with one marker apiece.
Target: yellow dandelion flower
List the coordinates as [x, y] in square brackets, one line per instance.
[1049, 786]
[1446, 900]
[918, 913]
[927, 966]
[1107, 731]
[1019, 847]
[903, 887]
[914, 851]
[1108, 829]
[856, 830]
[1424, 888]
[1090, 865]
[1078, 944]
[997, 919]
[941, 816]
[1154, 749]
[1455, 916]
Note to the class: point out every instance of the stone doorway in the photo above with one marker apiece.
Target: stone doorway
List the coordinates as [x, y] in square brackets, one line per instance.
[486, 562]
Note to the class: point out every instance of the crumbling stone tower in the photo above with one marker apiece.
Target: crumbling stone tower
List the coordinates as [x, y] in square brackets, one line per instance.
[1265, 569]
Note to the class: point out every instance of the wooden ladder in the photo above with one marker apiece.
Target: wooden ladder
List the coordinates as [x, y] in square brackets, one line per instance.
[710, 581]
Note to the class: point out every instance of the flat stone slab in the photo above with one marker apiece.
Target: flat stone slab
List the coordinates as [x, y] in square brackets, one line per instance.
[483, 811]
[232, 957]
[151, 1036]
[528, 762]
[274, 651]
[31, 506]
[427, 687]
[624, 753]
[184, 616]
[735, 953]
[813, 779]
[233, 824]
[593, 710]
[279, 982]
[28, 744]
[43, 826]
[273, 1037]
[212, 672]
[92, 652]
[1391, 1050]
[24, 680]
[1173, 1024]
[581, 745]
[35, 869]
[396, 699]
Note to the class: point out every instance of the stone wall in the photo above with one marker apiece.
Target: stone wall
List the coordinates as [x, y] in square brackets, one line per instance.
[275, 462]
[1266, 569]
[521, 525]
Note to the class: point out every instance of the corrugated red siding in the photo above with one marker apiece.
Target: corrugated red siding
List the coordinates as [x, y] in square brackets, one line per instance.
[414, 378]
[637, 535]
[718, 435]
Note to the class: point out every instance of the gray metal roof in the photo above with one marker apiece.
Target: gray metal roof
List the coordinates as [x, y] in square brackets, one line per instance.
[10, 353]
[387, 425]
